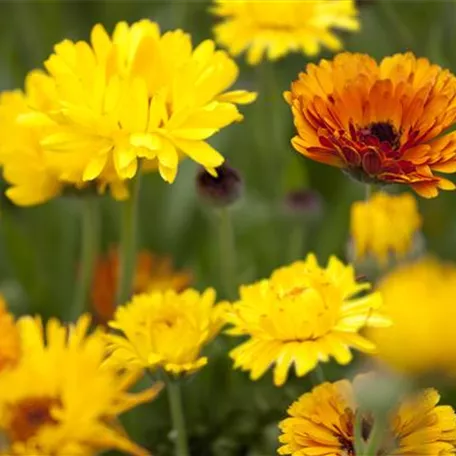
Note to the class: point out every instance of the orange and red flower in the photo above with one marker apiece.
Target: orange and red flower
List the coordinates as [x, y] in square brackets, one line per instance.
[152, 272]
[382, 123]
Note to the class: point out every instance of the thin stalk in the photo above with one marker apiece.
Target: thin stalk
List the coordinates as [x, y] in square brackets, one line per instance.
[177, 417]
[359, 441]
[297, 237]
[227, 251]
[90, 228]
[128, 233]
[376, 436]
[370, 189]
[318, 375]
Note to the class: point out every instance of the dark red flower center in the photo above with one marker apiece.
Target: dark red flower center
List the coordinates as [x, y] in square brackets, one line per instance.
[385, 132]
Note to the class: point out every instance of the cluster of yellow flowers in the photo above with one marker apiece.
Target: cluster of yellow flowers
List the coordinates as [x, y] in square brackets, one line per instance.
[139, 100]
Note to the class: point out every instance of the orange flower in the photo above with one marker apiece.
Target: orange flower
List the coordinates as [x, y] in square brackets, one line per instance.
[10, 349]
[153, 272]
[382, 123]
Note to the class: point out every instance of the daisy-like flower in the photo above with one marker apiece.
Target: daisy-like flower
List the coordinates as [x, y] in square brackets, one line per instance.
[381, 123]
[419, 299]
[279, 27]
[136, 95]
[60, 399]
[322, 423]
[384, 226]
[165, 330]
[302, 315]
[24, 163]
[152, 273]
[10, 349]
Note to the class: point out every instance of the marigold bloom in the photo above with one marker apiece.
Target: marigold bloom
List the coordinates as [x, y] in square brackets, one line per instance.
[10, 349]
[322, 423]
[60, 399]
[419, 299]
[279, 27]
[301, 315]
[382, 123]
[384, 225]
[153, 273]
[165, 330]
[23, 160]
[137, 95]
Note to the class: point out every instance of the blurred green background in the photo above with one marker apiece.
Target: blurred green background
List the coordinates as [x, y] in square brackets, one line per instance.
[227, 414]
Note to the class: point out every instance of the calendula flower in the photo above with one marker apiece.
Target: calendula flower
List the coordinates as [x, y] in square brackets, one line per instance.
[24, 162]
[60, 399]
[279, 27]
[136, 95]
[322, 423]
[384, 226]
[302, 315]
[153, 272]
[10, 349]
[165, 330]
[418, 298]
[381, 123]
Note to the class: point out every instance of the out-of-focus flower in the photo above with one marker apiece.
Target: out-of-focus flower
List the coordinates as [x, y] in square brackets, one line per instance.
[165, 330]
[10, 349]
[302, 315]
[221, 190]
[419, 299]
[384, 226]
[60, 399]
[25, 166]
[381, 123]
[322, 422]
[136, 95]
[305, 203]
[278, 27]
[153, 273]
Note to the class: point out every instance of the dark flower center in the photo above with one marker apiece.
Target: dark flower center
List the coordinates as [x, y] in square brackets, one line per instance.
[384, 132]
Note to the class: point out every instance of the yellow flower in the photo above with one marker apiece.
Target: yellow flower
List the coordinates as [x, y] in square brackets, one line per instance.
[10, 349]
[384, 122]
[136, 95]
[24, 163]
[60, 400]
[384, 225]
[165, 330]
[301, 315]
[419, 299]
[281, 26]
[153, 272]
[322, 423]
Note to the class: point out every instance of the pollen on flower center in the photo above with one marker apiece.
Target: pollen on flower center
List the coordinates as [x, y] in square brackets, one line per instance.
[29, 415]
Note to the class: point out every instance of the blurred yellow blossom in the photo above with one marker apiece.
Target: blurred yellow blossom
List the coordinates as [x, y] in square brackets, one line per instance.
[153, 272]
[10, 349]
[277, 27]
[135, 95]
[165, 330]
[419, 299]
[384, 226]
[60, 400]
[302, 315]
[322, 423]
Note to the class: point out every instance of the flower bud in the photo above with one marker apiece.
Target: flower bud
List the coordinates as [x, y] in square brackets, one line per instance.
[303, 203]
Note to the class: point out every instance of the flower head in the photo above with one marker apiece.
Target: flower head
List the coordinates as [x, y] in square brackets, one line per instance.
[60, 399]
[322, 423]
[419, 299]
[384, 225]
[382, 123]
[301, 315]
[278, 27]
[165, 330]
[10, 349]
[135, 95]
[153, 273]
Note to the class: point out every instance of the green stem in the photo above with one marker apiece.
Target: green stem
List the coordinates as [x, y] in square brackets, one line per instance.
[297, 236]
[359, 441]
[177, 417]
[370, 189]
[89, 251]
[128, 242]
[376, 436]
[227, 251]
